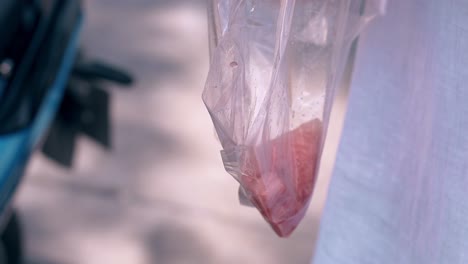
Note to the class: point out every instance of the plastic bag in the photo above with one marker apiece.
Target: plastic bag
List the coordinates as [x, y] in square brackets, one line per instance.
[275, 65]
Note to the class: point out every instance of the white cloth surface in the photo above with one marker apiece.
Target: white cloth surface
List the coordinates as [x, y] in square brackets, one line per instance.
[399, 192]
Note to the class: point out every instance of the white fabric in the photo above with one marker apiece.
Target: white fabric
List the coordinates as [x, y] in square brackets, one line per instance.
[399, 193]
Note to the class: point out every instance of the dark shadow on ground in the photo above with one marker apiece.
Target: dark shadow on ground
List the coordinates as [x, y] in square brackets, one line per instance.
[174, 243]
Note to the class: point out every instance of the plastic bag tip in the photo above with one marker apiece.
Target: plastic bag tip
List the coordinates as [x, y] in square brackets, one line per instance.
[284, 229]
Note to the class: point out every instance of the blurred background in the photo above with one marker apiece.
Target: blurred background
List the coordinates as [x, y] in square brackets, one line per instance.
[160, 194]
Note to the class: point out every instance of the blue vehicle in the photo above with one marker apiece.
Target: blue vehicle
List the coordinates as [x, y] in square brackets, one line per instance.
[38, 98]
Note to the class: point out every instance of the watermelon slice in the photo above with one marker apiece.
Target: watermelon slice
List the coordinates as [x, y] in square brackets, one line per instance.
[278, 176]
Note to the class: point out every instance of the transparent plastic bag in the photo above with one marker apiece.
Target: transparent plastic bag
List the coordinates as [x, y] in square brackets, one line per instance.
[275, 66]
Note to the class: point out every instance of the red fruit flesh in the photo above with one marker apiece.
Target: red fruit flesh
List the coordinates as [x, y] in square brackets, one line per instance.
[279, 176]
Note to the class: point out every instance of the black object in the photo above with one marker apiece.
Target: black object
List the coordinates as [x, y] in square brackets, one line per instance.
[36, 36]
[84, 110]
[11, 240]
[96, 70]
